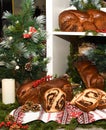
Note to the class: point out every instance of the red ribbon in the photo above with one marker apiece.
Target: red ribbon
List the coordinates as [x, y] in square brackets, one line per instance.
[101, 30]
[37, 82]
[31, 31]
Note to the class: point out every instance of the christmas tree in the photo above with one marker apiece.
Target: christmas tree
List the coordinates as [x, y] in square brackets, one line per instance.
[22, 50]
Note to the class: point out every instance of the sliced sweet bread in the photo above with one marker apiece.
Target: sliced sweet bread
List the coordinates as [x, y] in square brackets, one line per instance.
[102, 101]
[53, 100]
[89, 100]
[86, 105]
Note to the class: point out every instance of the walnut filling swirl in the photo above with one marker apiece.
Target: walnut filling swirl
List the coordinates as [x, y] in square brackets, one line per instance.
[55, 100]
[88, 100]
[85, 103]
[60, 103]
[91, 94]
[51, 97]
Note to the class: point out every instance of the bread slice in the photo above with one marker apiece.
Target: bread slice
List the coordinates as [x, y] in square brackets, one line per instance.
[53, 100]
[102, 101]
[89, 100]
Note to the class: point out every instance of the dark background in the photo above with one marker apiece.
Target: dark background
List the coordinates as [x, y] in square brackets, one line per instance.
[4, 5]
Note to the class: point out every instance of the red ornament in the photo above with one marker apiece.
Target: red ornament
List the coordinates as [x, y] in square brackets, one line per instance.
[29, 34]
[32, 30]
[26, 35]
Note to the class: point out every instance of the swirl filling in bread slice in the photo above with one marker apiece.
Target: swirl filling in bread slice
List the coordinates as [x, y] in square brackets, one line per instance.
[54, 100]
[88, 100]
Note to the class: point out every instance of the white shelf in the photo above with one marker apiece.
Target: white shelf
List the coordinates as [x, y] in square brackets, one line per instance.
[76, 33]
[58, 43]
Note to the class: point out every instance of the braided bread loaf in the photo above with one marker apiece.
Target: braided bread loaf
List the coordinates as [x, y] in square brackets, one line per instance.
[51, 94]
[90, 74]
[78, 21]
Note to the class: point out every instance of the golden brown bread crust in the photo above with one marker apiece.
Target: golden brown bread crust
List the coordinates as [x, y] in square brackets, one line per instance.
[66, 20]
[78, 21]
[27, 93]
[96, 13]
[99, 18]
[88, 26]
[90, 74]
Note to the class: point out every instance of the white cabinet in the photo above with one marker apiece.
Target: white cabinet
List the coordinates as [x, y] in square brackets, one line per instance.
[58, 43]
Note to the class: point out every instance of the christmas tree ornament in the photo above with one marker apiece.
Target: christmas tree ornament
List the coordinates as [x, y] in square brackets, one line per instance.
[17, 67]
[28, 66]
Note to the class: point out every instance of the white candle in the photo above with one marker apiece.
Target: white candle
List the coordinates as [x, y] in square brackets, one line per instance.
[8, 91]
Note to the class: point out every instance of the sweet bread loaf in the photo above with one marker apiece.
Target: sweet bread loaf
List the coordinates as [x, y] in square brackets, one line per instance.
[90, 74]
[78, 21]
[53, 100]
[29, 93]
[61, 83]
[70, 20]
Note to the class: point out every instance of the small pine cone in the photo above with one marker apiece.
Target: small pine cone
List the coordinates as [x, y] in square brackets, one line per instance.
[35, 107]
[9, 118]
[28, 66]
[25, 108]
[29, 104]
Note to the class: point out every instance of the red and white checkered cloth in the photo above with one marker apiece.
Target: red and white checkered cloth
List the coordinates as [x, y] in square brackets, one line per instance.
[63, 117]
